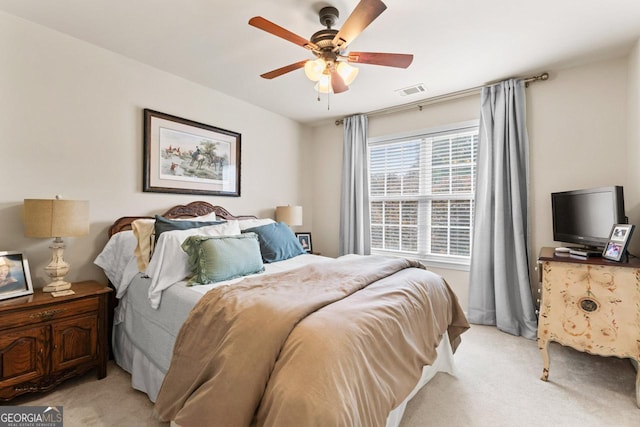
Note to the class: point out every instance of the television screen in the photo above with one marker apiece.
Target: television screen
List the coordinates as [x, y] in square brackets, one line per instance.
[586, 216]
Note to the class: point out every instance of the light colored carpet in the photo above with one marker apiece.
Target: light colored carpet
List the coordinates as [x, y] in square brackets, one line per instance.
[497, 384]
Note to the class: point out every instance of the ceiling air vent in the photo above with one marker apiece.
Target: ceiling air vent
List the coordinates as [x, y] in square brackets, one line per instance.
[412, 90]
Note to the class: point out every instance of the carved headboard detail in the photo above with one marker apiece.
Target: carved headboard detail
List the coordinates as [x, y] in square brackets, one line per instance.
[193, 209]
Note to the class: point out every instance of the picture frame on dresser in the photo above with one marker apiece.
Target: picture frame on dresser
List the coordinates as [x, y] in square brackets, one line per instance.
[186, 157]
[15, 278]
[619, 238]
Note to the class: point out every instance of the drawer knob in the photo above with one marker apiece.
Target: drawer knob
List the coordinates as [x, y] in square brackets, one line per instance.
[589, 305]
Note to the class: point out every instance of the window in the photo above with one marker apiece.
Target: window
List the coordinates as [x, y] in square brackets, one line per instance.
[422, 190]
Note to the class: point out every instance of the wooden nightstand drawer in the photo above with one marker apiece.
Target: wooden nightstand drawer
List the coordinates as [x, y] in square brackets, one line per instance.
[49, 312]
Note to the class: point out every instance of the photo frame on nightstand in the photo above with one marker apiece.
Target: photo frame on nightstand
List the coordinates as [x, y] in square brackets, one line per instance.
[15, 278]
[305, 241]
[619, 238]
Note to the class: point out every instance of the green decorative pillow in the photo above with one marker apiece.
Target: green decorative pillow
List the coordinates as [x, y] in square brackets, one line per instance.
[277, 242]
[163, 224]
[217, 258]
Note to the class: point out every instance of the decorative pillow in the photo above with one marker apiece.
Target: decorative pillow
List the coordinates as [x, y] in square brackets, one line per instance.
[214, 259]
[251, 223]
[143, 230]
[162, 224]
[277, 242]
[170, 264]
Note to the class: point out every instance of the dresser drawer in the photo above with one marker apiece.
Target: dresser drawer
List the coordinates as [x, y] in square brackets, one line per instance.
[45, 313]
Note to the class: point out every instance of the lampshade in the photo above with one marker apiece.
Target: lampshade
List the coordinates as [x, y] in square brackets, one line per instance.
[56, 218]
[347, 72]
[324, 84]
[290, 215]
[314, 69]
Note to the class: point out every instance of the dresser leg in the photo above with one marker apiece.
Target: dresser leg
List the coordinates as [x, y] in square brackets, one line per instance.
[543, 345]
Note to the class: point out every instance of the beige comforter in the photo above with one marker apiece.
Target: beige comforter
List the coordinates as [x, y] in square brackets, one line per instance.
[340, 343]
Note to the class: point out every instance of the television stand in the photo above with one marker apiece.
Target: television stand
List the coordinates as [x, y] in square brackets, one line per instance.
[585, 252]
[591, 305]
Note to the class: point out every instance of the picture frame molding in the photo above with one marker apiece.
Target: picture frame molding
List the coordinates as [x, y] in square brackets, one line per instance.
[154, 178]
[619, 237]
[27, 288]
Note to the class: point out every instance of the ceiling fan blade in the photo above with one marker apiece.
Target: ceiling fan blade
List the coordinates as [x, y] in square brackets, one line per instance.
[276, 30]
[363, 15]
[337, 83]
[284, 70]
[399, 60]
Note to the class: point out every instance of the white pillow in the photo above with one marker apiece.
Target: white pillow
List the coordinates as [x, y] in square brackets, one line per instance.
[144, 230]
[250, 223]
[208, 217]
[170, 264]
[116, 255]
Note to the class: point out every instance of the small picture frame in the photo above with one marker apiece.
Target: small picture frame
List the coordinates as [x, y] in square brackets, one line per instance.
[619, 239]
[305, 240]
[15, 278]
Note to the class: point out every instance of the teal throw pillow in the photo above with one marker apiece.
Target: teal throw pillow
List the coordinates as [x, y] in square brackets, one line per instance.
[217, 258]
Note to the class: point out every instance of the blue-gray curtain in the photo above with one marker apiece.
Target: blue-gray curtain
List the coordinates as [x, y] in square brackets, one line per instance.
[354, 202]
[499, 288]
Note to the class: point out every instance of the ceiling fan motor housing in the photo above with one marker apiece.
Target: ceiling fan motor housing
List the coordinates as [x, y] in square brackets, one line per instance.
[329, 16]
[324, 38]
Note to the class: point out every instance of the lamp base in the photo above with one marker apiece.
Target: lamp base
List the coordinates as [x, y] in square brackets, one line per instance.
[57, 286]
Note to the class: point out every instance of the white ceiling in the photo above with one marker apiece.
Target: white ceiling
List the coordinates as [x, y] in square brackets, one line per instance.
[457, 44]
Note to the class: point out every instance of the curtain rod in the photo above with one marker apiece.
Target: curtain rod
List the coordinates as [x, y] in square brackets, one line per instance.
[445, 97]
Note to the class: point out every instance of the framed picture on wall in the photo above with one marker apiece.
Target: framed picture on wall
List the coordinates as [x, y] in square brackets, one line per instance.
[305, 241]
[15, 278]
[618, 241]
[187, 157]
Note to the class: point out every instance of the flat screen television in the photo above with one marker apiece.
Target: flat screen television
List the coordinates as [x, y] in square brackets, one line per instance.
[586, 216]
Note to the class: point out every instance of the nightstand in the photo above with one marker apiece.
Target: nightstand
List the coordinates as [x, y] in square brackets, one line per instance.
[590, 304]
[45, 340]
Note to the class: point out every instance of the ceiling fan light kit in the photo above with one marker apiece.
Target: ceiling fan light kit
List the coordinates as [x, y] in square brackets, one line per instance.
[330, 69]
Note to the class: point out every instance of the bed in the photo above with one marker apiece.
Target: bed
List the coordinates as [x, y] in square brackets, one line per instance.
[299, 340]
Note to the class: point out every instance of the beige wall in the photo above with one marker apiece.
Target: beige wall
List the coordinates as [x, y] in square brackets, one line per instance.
[632, 189]
[71, 124]
[577, 124]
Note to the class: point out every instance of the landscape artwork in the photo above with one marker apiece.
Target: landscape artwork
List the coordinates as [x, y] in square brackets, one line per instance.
[189, 157]
[183, 156]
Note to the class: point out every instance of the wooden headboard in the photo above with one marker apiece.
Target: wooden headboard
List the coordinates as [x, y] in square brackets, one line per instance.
[193, 209]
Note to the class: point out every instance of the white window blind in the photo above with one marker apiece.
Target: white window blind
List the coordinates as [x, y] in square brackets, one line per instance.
[421, 193]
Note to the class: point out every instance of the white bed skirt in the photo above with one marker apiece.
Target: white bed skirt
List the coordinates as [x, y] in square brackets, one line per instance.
[146, 377]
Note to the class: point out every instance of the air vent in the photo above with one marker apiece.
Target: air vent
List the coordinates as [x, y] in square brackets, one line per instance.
[412, 90]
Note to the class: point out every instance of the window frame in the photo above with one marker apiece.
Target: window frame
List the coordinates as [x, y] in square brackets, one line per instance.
[455, 262]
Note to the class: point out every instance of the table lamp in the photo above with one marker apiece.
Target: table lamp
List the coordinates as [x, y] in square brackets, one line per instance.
[290, 215]
[56, 218]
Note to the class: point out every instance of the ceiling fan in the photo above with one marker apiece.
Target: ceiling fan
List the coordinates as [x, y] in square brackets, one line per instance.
[330, 68]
